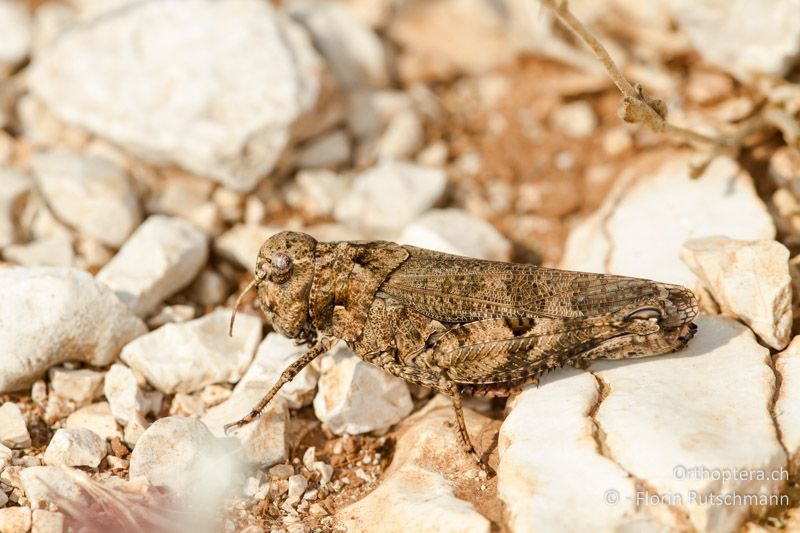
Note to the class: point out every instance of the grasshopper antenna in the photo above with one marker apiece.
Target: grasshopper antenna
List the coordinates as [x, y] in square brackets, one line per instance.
[256, 280]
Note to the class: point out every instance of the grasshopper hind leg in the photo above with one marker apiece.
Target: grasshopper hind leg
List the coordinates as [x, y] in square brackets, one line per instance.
[440, 383]
[452, 390]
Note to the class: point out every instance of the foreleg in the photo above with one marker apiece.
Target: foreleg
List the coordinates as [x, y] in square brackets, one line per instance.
[322, 346]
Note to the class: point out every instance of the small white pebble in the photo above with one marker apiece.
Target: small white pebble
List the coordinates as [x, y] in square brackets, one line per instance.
[363, 475]
[325, 471]
[281, 471]
[297, 486]
[576, 120]
[215, 394]
[309, 457]
[13, 430]
[26, 461]
[117, 463]
[39, 393]
[15, 519]
[291, 518]
[564, 160]
[317, 510]
[251, 486]
[338, 447]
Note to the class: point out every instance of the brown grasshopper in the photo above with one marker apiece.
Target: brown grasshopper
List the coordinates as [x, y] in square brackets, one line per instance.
[455, 324]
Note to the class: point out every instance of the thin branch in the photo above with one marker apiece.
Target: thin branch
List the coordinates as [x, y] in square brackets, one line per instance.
[638, 107]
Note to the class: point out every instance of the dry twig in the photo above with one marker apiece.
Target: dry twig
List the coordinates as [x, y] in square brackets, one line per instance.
[638, 108]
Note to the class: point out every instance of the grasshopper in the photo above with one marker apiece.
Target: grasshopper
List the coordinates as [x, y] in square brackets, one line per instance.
[455, 324]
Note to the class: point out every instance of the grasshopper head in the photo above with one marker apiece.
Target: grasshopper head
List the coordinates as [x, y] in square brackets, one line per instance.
[284, 270]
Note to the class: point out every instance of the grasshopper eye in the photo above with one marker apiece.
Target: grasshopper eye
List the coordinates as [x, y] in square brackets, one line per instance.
[280, 267]
[643, 313]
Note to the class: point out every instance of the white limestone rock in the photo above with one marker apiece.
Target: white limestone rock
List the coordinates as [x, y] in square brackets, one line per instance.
[567, 484]
[188, 197]
[353, 51]
[385, 198]
[374, 13]
[242, 242]
[15, 27]
[576, 119]
[297, 486]
[209, 288]
[455, 231]
[656, 207]
[89, 193]
[126, 400]
[413, 499]
[317, 191]
[97, 418]
[186, 357]
[78, 385]
[13, 430]
[67, 316]
[89, 9]
[171, 314]
[15, 519]
[749, 280]
[50, 20]
[334, 232]
[55, 251]
[371, 111]
[627, 463]
[265, 440]
[706, 407]
[75, 447]
[224, 109]
[327, 151]
[162, 256]
[187, 405]
[181, 454]
[431, 441]
[47, 521]
[403, 136]
[743, 38]
[134, 430]
[356, 397]
[787, 404]
[43, 485]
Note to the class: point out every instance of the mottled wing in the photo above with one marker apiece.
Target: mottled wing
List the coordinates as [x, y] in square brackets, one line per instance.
[451, 288]
[509, 351]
